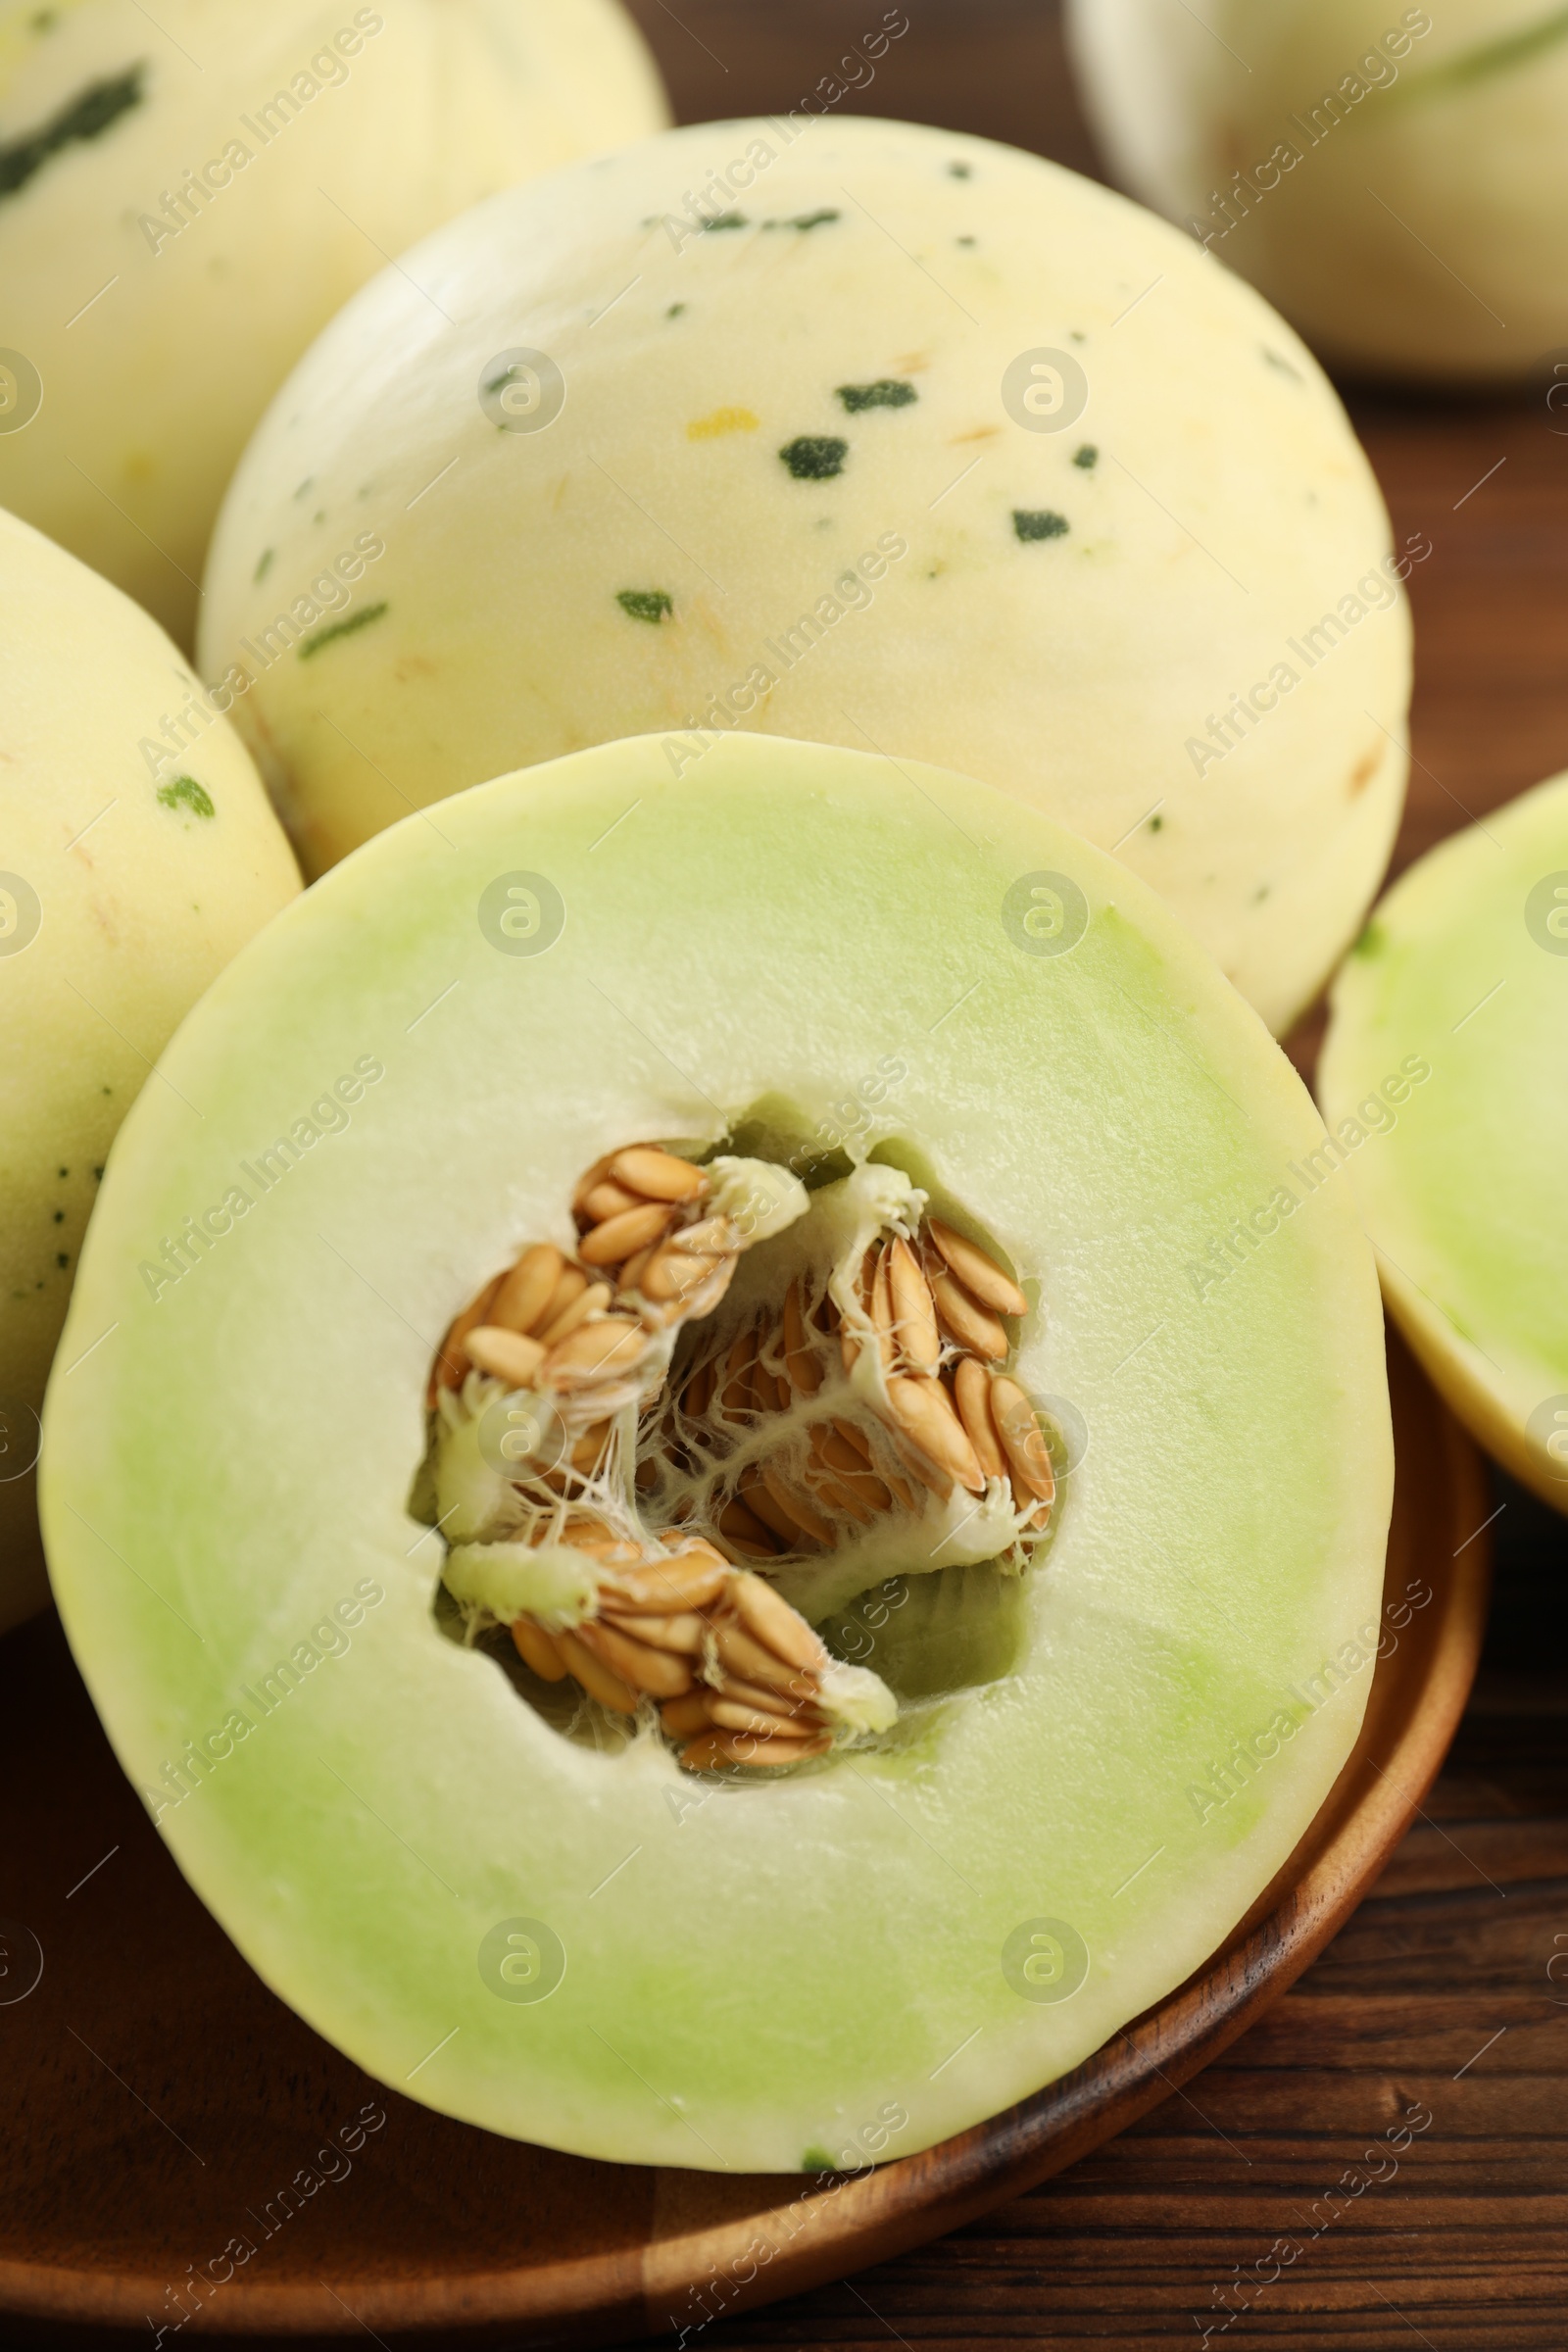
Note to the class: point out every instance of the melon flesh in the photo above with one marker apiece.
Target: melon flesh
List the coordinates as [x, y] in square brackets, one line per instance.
[754, 1978]
[1441, 1078]
[794, 486]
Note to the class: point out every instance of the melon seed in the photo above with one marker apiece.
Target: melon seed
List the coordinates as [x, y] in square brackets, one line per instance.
[594, 1350]
[525, 1293]
[657, 1175]
[608, 1200]
[1021, 1437]
[660, 1672]
[537, 1649]
[769, 1615]
[589, 1300]
[620, 1236]
[504, 1353]
[973, 1390]
[804, 1372]
[571, 1285]
[973, 1326]
[452, 1361]
[978, 1273]
[914, 1315]
[596, 1678]
[927, 1413]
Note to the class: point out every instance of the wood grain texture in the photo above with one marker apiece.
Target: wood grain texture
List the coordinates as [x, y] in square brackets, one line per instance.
[154, 2092]
[160, 2101]
[1467, 2249]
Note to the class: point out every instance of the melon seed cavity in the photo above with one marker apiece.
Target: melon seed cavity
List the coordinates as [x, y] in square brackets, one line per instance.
[660, 1459]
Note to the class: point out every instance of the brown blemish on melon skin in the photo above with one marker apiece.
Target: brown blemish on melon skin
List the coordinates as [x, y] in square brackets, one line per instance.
[1363, 772]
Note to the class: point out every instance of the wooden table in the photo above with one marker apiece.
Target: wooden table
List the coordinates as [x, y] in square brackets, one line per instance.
[1438, 1990]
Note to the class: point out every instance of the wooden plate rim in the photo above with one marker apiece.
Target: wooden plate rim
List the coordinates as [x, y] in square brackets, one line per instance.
[855, 2221]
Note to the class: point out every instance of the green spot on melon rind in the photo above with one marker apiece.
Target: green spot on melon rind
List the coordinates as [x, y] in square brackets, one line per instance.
[645, 604]
[1484, 60]
[183, 792]
[815, 457]
[87, 116]
[339, 628]
[1039, 522]
[888, 392]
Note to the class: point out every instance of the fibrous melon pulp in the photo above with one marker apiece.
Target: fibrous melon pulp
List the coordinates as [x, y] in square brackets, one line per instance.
[706, 1574]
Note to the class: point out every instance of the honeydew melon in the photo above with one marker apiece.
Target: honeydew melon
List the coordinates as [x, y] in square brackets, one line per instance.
[1460, 985]
[548, 1926]
[183, 203]
[128, 882]
[854, 432]
[1395, 179]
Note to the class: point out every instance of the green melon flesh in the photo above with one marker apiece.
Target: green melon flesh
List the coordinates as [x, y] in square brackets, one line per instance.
[795, 487]
[1460, 982]
[771, 1977]
[138, 851]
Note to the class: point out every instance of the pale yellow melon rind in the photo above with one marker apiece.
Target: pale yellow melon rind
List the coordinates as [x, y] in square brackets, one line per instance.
[138, 902]
[1212, 528]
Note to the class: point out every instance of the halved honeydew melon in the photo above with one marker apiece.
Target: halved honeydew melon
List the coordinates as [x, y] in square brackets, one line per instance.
[1442, 1080]
[910, 442]
[527, 1908]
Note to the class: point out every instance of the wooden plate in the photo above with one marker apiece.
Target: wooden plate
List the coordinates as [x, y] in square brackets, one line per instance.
[162, 2100]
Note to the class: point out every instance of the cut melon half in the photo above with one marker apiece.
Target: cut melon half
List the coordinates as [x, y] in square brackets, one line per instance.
[862, 1103]
[1442, 1082]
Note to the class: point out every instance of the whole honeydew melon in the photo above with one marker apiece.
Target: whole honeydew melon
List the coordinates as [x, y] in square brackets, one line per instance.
[124, 892]
[1035, 497]
[1460, 981]
[184, 202]
[1394, 178]
[1049, 1786]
